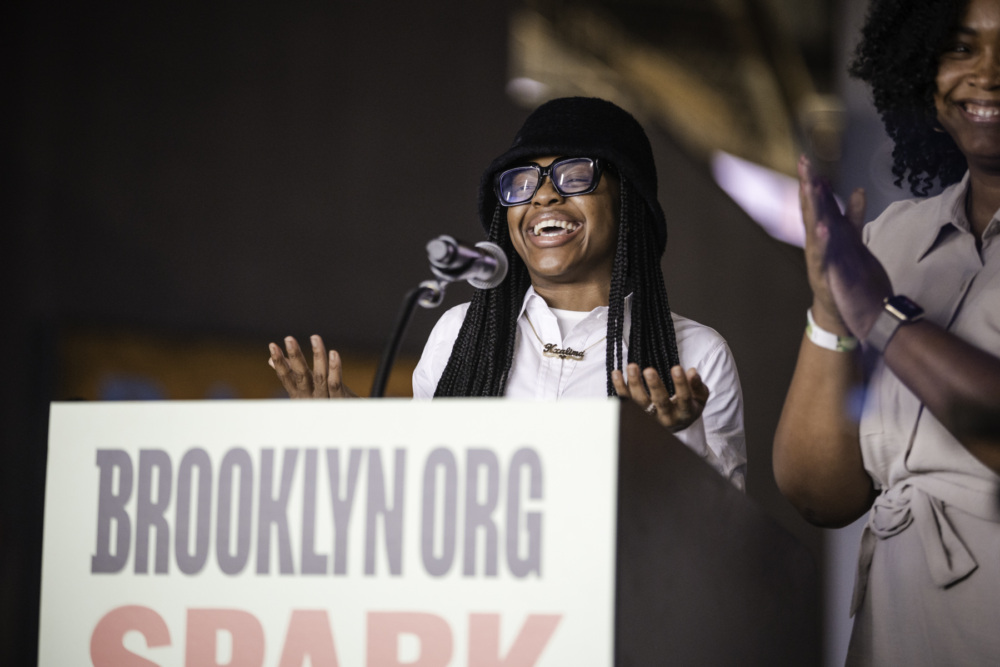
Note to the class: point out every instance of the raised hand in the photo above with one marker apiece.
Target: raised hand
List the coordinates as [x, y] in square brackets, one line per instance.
[323, 381]
[675, 412]
[848, 283]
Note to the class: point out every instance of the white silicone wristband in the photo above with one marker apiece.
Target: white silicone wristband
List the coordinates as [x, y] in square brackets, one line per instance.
[826, 339]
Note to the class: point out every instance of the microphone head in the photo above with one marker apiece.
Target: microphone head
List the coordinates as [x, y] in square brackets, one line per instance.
[442, 252]
[498, 274]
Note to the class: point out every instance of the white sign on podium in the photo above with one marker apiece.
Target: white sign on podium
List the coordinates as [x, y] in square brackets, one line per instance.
[471, 532]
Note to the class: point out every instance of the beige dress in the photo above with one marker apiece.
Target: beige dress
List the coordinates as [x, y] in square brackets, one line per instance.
[928, 584]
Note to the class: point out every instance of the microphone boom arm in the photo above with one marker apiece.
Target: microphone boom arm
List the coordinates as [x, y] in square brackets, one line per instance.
[450, 261]
[428, 294]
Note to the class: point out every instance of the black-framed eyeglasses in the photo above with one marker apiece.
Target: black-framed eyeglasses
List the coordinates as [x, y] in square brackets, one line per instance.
[570, 176]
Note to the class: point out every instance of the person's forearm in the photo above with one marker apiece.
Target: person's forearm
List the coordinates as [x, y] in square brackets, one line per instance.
[817, 458]
[952, 379]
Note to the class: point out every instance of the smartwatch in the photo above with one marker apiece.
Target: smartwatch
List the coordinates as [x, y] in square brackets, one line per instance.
[898, 310]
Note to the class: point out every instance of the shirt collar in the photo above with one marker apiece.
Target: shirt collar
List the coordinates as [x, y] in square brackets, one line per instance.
[949, 218]
[532, 297]
[533, 300]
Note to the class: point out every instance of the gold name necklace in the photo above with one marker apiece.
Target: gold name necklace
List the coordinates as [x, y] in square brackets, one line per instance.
[550, 350]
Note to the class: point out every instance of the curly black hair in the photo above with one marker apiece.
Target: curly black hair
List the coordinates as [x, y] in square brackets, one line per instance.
[898, 56]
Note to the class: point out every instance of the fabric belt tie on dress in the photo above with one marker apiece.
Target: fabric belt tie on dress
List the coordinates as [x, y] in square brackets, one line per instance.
[892, 513]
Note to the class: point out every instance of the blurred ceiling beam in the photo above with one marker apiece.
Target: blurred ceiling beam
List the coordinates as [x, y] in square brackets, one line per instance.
[716, 74]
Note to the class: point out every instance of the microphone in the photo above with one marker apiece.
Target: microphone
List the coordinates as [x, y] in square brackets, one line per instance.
[483, 266]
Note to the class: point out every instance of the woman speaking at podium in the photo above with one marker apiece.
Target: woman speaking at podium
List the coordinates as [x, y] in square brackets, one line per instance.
[573, 205]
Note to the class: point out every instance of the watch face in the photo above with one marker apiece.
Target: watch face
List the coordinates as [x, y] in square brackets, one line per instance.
[904, 308]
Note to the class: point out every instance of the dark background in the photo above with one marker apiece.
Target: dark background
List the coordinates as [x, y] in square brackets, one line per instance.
[235, 172]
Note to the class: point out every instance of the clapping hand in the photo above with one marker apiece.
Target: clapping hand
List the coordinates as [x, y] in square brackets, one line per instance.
[848, 283]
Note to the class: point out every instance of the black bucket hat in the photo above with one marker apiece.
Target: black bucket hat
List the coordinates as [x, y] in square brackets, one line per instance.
[582, 126]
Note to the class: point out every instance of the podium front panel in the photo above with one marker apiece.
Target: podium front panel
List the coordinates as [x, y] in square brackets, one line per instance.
[452, 532]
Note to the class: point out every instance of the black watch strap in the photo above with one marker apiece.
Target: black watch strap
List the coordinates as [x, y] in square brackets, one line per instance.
[898, 310]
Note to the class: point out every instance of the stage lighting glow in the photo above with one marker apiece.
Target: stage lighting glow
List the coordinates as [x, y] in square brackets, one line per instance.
[767, 196]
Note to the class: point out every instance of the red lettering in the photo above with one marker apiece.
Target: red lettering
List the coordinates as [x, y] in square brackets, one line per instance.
[484, 640]
[384, 629]
[309, 634]
[106, 646]
[203, 627]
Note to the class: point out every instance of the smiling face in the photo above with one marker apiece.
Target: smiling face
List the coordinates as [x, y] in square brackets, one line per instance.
[967, 98]
[567, 241]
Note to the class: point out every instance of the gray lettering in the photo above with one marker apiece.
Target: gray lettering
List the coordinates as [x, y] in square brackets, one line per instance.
[392, 517]
[149, 512]
[440, 462]
[341, 504]
[528, 460]
[233, 562]
[478, 514]
[111, 507]
[274, 511]
[312, 562]
[196, 459]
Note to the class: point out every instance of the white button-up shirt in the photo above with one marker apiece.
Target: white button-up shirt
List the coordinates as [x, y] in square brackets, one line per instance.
[717, 436]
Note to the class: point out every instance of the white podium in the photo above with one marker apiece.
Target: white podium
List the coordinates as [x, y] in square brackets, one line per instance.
[379, 533]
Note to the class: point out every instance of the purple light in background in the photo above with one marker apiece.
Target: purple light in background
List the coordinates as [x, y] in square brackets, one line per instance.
[769, 197]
